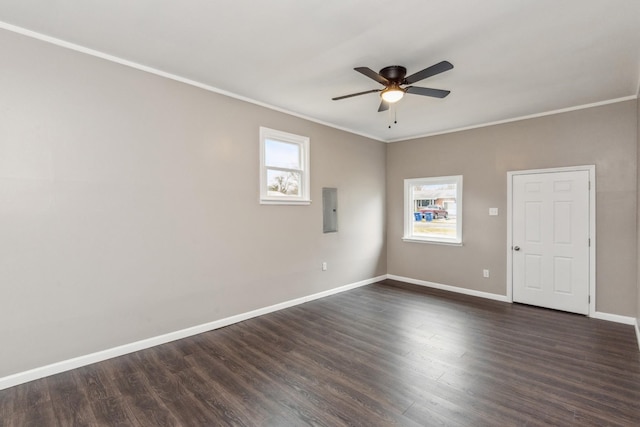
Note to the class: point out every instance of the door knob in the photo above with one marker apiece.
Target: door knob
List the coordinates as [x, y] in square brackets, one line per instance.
[516, 248]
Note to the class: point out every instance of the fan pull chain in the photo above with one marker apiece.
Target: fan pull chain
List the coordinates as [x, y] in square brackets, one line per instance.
[395, 115]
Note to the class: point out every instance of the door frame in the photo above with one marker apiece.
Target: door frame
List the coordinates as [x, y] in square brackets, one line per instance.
[592, 226]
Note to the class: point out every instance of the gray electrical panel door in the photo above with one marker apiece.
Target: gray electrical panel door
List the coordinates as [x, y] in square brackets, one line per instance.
[329, 210]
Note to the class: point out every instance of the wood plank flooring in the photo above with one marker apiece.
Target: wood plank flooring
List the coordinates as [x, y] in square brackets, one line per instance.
[381, 355]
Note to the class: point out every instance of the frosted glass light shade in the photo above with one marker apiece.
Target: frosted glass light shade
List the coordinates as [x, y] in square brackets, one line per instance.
[392, 95]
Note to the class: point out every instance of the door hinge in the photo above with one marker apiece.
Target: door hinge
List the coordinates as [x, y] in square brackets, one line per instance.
[589, 185]
[589, 241]
[589, 299]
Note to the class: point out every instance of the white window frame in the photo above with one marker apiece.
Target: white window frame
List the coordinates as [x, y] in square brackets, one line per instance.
[305, 182]
[409, 218]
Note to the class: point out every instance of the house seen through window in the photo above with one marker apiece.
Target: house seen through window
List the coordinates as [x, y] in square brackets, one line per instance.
[433, 209]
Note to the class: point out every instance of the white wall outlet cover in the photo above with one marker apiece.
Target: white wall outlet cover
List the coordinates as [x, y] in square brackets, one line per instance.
[493, 211]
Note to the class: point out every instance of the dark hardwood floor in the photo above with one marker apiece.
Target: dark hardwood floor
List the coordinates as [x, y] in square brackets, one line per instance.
[384, 354]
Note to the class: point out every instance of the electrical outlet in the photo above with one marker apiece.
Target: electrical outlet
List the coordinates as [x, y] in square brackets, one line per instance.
[324, 266]
[485, 273]
[493, 211]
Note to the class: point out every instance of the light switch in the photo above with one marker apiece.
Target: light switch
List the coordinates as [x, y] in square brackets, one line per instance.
[493, 211]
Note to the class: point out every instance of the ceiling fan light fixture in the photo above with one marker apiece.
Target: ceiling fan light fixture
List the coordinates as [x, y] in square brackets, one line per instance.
[392, 94]
[393, 77]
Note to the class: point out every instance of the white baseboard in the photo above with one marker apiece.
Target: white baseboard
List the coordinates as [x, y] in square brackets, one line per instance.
[596, 315]
[77, 362]
[449, 288]
[638, 333]
[614, 318]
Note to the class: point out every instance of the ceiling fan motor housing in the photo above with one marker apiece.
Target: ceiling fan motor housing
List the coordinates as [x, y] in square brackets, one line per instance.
[394, 73]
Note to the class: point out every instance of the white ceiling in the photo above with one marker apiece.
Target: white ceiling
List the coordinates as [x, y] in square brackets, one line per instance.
[512, 58]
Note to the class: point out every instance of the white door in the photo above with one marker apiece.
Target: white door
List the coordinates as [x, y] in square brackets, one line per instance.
[550, 240]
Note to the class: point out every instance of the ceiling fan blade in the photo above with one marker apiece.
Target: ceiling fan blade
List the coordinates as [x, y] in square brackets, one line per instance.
[373, 75]
[384, 106]
[425, 91]
[337, 98]
[438, 68]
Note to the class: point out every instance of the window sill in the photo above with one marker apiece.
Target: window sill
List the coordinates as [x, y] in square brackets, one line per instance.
[284, 202]
[432, 242]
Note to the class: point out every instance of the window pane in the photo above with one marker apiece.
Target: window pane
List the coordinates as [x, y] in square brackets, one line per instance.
[284, 168]
[280, 183]
[435, 210]
[282, 154]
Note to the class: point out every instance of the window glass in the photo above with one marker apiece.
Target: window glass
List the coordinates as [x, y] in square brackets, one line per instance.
[282, 154]
[284, 168]
[283, 183]
[433, 209]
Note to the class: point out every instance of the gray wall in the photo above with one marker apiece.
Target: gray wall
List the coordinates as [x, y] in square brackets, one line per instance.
[604, 136]
[129, 207]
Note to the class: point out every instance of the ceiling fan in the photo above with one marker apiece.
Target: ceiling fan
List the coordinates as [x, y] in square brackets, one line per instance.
[393, 78]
